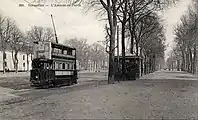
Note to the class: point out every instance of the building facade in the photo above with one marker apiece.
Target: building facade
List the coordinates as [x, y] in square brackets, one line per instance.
[23, 60]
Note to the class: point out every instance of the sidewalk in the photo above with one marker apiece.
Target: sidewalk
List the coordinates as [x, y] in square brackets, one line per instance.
[177, 75]
[13, 74]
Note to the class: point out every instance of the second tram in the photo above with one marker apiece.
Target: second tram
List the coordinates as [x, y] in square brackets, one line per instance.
[133, 66]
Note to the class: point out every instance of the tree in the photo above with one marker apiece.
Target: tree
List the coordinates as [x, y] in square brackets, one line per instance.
[186, 39]
[38, 33]
[16, 43]
[5, 35]
[110, 9]
[152, 44]
[97, 55]
[129, 9]
[28, 48]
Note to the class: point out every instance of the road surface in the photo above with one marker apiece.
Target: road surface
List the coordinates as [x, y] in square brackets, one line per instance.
[159, 95]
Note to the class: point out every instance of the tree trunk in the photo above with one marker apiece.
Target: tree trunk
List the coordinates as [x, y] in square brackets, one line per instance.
[145, 65]
[123, 41]
[96, 66]
[112, 17]
[187, 61]
[137, 49]
[178, 65]
[123, 52]
[27, 63]
[4, 61]
[92, 65]
[16, 61]
[183, 62]
[194, 60]
[132, 22]
[191, 61]
[153, 65]
[13, 60]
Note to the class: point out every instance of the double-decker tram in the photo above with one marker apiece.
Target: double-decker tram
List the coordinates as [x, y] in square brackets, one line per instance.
[53, 64]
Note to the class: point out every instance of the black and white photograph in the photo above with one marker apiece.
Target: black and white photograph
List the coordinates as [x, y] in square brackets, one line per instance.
[98, 59]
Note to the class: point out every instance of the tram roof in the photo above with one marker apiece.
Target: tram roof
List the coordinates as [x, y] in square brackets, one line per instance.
[130, 56]
[42, 59]
[62, 45]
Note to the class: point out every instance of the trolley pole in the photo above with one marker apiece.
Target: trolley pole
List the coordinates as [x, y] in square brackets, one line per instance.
[54, 30]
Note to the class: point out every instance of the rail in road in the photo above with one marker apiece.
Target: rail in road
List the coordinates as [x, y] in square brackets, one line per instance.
[18, 82]
[19, 85]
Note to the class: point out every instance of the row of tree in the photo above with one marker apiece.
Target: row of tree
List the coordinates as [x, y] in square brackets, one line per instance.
[183, 56]
[90, 57]
[139, 23]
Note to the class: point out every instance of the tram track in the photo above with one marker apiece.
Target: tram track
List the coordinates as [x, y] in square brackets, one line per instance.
[30, 95]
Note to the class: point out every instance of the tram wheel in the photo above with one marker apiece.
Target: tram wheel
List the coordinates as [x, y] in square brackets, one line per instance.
[75, 82]
[70, 83]
[46, 86]
[51, 84]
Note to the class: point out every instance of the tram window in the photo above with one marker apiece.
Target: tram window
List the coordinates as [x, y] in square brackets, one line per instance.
[63, 65]
[73, 52]
[59, 51]
[72, 66]
[68, 66]
[56, 50]
[56, 65]
[65, 52]
[59, 66]
[69, 52]
[53, 66]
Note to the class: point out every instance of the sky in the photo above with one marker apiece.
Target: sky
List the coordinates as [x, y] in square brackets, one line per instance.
[172, 18]
[73, 22]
